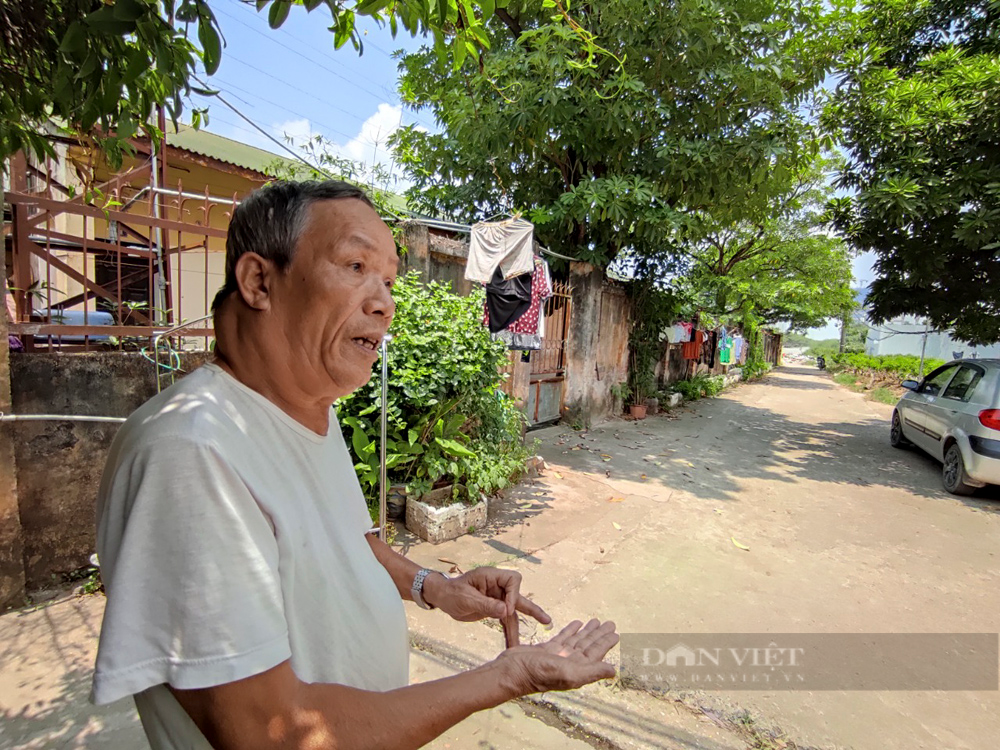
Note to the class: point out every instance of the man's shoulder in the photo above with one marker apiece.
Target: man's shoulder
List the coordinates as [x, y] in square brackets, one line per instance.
[200, 408]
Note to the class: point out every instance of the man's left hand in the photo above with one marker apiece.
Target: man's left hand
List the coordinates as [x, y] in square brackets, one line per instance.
[482, 593]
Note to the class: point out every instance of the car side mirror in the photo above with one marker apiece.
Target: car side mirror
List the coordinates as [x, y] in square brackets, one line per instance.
[910, 385]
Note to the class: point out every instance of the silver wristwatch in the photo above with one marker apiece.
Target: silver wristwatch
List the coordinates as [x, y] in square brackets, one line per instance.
[417, 589]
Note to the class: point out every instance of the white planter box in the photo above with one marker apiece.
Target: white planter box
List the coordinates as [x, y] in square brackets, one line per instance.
[439, 520]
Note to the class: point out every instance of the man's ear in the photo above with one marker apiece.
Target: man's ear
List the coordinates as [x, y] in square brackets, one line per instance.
[253, 279]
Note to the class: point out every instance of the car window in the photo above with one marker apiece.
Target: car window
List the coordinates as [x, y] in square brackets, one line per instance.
[964, 383]
[937, 380]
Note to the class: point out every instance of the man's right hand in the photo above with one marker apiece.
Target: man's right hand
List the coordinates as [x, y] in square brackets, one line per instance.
[573, 658]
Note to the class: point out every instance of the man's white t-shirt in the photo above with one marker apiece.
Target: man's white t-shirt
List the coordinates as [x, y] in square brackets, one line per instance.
[232, 538]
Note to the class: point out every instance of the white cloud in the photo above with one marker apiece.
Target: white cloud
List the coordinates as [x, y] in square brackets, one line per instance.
[299, 131]
[370, 146]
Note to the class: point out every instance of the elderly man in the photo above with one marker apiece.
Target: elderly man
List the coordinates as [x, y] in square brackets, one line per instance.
[248, 604]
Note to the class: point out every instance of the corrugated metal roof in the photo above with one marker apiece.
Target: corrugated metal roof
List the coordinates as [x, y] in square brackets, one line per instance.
[225, 149]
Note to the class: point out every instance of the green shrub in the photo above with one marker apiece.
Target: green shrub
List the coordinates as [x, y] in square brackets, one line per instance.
[689, 389]
[754, 370]
[700, 386]
[713, 386]
[902, 366]
[448, 420]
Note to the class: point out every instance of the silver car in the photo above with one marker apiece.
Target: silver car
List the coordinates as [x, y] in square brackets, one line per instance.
[954, 415]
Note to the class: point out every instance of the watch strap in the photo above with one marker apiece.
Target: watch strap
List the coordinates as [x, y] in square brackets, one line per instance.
[417, 589]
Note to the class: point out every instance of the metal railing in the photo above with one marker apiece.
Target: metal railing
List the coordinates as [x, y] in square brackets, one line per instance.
[111, 274]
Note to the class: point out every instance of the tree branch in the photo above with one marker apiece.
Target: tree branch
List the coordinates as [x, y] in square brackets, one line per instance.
[510, 22]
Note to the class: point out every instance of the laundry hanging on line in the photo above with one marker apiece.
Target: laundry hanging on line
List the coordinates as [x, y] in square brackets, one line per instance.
[737, 348]
[526, 330]
[506, 300]
[507, 246]
[692, 349]
[678, 333]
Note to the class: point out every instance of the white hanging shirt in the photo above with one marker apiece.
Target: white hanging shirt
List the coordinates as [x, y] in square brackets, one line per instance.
[508, 245]
[232, 538]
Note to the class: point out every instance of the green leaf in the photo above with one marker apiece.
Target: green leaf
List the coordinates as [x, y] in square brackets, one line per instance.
[105, 22]
[459, 50]
[278, 13]
[371, 7]
[454, 448]
[129, 10]
[360, 441]
[75, 41]
[211, 46]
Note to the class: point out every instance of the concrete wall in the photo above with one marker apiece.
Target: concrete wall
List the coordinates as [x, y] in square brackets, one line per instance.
[672, 366]
[59, 463]
[597, 345]
[437, 255]
[11, 535]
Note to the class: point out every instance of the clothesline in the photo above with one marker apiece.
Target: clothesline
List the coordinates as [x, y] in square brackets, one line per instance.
[454, 226]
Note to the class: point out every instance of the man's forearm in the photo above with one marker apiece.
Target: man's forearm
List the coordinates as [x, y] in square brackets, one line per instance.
[409, 717]
[276, 711]
[402, 570]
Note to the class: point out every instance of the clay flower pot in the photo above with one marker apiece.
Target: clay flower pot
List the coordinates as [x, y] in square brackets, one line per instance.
[638, 411]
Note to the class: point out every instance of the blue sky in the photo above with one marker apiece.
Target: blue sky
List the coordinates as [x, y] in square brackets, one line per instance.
[291, 81]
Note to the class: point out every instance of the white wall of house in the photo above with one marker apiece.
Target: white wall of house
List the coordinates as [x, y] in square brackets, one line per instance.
[905, 336]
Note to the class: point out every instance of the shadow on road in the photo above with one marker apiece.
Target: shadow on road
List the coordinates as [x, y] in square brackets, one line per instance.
[812, 379]
[712, 447]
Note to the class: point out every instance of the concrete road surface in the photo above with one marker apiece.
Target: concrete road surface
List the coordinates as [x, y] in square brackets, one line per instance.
[635, 521]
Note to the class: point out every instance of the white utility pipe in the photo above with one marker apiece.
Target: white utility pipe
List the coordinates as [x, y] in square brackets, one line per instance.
[160, 303]
[57, 418]
[382, 489]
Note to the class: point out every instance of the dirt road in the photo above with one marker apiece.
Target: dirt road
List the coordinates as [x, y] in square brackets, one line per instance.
[846, 535]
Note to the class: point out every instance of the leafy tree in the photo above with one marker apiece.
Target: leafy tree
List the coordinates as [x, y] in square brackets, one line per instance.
[684, 107]
[779, 262]
[100, 66]
[919, 108]
[856, 337]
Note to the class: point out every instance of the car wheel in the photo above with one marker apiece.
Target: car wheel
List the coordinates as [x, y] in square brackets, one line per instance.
[896, 439]
[954, 473]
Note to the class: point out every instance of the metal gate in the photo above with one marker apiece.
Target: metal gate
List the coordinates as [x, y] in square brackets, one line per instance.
[548, 364]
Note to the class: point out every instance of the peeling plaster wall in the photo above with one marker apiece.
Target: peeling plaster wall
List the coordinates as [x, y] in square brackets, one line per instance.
[59, 463]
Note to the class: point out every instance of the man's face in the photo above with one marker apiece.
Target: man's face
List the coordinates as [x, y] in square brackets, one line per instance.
[334, 303]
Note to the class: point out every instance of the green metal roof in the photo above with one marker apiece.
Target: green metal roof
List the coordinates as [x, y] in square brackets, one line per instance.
[243, 155]
[225, 149]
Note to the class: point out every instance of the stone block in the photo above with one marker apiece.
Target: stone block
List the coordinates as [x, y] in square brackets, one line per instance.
[439, 520]
[534, 466]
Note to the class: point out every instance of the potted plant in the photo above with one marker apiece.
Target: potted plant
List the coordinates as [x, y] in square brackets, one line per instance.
[642, 385]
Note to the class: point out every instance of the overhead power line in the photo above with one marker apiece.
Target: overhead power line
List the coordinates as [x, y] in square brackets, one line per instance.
[267, 135]
[226, 85]
[331, 71]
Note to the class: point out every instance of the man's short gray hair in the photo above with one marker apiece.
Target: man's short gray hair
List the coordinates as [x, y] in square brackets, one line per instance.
[270, 221]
